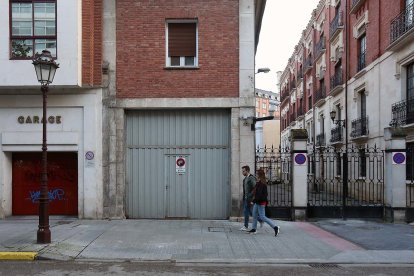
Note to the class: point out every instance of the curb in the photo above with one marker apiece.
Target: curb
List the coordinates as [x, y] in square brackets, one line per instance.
[23, 256]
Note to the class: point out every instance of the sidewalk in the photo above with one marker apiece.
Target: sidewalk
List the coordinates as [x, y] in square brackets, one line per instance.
[200, 241]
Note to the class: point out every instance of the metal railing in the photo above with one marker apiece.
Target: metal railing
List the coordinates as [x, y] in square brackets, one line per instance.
[402, 23]
[336, 24]
[402, 113]
[336, 134]
[320, 94]
[361, 61]
[308, 62]
[336, 79]
[300, 111]
[320, 140]
[320, 46]
[359, 127]
[292, 117]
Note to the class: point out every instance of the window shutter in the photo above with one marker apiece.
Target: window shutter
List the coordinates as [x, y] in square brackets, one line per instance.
[182, 39]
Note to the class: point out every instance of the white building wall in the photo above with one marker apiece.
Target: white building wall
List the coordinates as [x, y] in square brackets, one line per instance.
[21, 72]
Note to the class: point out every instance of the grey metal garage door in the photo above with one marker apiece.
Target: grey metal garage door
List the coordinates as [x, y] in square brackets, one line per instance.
[156, 186]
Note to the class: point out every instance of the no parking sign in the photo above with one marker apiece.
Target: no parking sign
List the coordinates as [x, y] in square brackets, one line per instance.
[300, 159]
[180, 165]
[398, 158]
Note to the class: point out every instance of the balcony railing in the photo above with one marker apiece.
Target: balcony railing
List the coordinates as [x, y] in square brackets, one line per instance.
[320, 140]
[320, 46]
[320, 94]
[292, 86]
[308, 63]
[336, 134]
[359, 127]
[336, 79]
[402, 23]
[336, 24]
[402, 113]
[361, 61]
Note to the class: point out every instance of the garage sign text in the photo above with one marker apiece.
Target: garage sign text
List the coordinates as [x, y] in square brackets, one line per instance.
[37, 120]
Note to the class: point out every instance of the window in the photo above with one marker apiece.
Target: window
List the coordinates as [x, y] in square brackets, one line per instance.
[257, 114]
[33, 28]
[257, 103]
[363, 108]
[410, 94]
[264, 106]
[362, 47]
[182, 44]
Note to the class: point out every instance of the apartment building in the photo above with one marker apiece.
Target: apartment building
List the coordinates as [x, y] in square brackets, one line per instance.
[72, 31]
[349, 84]
[181, 80]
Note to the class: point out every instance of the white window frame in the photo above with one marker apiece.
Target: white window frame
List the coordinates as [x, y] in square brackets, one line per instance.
[182, 59]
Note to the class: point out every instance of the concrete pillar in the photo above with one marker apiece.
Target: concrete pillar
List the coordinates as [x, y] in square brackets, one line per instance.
[395, 186]
[299, 167]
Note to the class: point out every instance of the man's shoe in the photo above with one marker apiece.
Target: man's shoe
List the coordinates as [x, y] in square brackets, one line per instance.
[244, 228]
[277, 230]
[261, 224]
[253, 231]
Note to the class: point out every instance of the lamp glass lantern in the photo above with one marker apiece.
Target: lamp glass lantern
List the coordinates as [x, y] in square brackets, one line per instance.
[333, 115]
[45, 67]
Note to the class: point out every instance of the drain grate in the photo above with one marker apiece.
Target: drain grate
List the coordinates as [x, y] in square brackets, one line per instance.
[219, 229]
[324, 265]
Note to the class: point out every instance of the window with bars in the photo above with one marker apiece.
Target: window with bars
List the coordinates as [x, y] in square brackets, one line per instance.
[182, 44]
[33, 28]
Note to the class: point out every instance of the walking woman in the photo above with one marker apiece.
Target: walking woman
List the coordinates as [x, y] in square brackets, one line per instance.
[260, 201]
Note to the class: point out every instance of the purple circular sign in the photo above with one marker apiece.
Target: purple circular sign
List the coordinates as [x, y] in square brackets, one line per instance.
[398, 158]
[300, 159]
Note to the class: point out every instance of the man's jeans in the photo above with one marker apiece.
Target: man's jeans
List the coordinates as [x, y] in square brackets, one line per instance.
[247, 211]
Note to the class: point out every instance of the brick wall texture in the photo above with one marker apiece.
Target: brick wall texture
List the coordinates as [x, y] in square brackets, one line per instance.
[141, 49]
[91, 42]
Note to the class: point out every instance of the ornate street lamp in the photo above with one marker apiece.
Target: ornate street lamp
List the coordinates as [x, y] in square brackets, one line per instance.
[45, 68]
[337, 122]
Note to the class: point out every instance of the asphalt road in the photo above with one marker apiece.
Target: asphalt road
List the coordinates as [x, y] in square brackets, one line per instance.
[138, 268]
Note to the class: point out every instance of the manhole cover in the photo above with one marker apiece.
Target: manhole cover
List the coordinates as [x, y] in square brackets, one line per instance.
[219, 229]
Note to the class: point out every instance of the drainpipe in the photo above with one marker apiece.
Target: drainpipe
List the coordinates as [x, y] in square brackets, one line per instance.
[346, 70]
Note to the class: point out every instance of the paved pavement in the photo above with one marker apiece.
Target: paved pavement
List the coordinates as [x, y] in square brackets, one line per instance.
[200, 241]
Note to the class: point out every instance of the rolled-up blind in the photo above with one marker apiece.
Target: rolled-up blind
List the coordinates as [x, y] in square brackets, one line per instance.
[182, 39]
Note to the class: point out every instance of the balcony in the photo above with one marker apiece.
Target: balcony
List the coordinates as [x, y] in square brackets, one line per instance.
[320, 140]
[300, 112]
[308, 63]
[361, 61]
[320, 47]
[336, 83]
[336, 25]
[402, 28]
[320, 96]
[336, 135]
[356, 4]
[359, 128]
[402, 113]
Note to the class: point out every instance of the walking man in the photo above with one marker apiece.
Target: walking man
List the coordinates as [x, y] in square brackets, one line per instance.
[249, 182]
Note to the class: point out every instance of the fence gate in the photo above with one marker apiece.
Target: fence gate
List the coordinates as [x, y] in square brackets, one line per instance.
[276, 164]
[346, 182]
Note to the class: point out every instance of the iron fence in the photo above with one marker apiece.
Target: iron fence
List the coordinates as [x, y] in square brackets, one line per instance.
[320, 46]
[346, 182]
[276, 163]
[336, 134]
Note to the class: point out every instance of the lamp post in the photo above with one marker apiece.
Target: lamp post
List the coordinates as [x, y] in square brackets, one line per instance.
[45, 68]
[337, 122]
